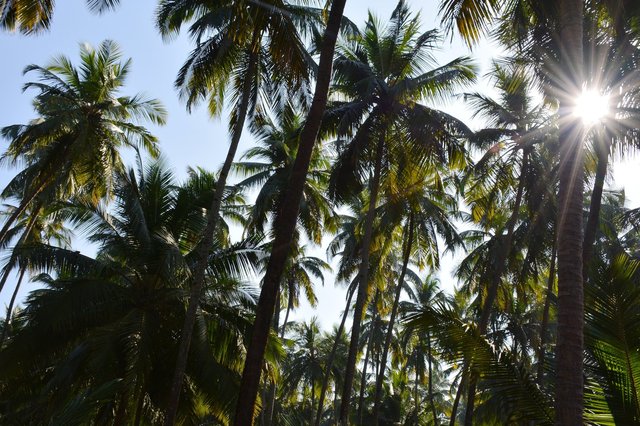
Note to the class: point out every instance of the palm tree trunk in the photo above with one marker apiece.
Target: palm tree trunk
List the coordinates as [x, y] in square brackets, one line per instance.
[286, 316]
[545, 314]
[202, 251]
[392, 319]
[363, 379]
[329, 365]
[7, 321]
[22, 207]
[363, 288]
[432, 401]
[286, 223]
[267, 414]
[602, 152]
[492, 293]
[456, 401]
[505, 249]
[11, 263]
[569, 349]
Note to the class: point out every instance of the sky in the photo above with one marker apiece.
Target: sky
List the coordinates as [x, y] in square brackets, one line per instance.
[194, 139]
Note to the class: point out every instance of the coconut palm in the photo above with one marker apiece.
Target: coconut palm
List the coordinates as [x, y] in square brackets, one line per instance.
[472, 19]
[72, 149]
[380, 73]
[242, 47]
[415, 199]
[286, 219]
[113, 319]
[267, 167]
[34, 16]
[43, 228]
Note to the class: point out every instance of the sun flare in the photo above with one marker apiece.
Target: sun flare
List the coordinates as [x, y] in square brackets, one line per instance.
[592, 107]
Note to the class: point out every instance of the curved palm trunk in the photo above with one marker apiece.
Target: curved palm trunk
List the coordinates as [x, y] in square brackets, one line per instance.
[329, 365]
[432, 401]
[12, 260]
[286, 316]
[286, 222]
[569, 367]
[392, 319]
[456, 401]
[363, 288]
[492, 293]
[545, 314]
[202, 251]
[593, 220]
[18, 211]
[267, 414]
[7, 321]
[363, 379]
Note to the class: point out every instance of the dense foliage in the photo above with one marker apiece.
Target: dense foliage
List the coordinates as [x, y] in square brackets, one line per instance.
[176, 318]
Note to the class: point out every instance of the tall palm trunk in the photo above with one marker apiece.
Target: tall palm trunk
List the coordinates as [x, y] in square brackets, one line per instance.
[7, 321]
[329, 365]
[289, 307]
[456, 401]
[12, 260]
[492, 293]
[267, 414]
[286, 222]
[202, 250]
[363, 287]
[432, 401]
[392, 319]
[22, 207]
[569, 367]
[602, 152]
[545, 313]
[363, 379]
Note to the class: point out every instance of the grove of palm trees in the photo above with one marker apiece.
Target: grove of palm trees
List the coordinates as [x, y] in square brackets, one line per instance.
[459, 215]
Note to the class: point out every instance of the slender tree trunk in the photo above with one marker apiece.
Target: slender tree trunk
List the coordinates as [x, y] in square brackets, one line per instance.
[286, 223]
[363, 379]
[415, 389]
[492, 293]
[392, 319]
[505, 249]
[363, 288]
[593, 221]
[12, 260]
[456, 401]
[24, 204]
[286, 316]
[202, 250]
[569, 349]
[267, 414]
[432, 401]
[139, 406]
[329, 365]
[7, 321]
[545, 313]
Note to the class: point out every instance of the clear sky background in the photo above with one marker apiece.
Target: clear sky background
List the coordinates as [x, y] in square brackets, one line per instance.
[195, 139]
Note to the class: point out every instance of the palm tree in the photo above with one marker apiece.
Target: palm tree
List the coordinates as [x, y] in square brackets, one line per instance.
[34, 16]
[72, 149]
[267, 166]
[415, 199]
[286, 219]
[39, 228]
[472, 19]
[114, 318]
[380, 72]
[240, 45]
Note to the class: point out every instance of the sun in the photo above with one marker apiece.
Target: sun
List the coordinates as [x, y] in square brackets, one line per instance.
[592, 107]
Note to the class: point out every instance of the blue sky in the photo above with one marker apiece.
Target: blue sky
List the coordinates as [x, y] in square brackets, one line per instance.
[187, 139]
